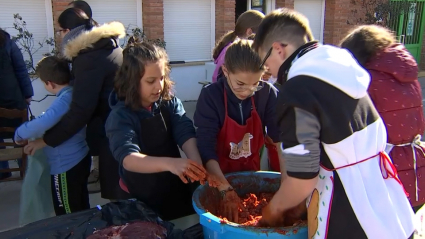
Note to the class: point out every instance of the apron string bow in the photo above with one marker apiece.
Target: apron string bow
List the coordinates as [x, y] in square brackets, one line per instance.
[416, 144]
[387, 167]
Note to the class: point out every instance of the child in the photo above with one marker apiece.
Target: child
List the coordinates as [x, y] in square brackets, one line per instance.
[397, 95]
[231, 116]
[70, 161]
[146, 124]
[333, 140]
[246, 26]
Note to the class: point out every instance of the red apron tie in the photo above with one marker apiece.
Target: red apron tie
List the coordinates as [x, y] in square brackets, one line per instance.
[388, 169]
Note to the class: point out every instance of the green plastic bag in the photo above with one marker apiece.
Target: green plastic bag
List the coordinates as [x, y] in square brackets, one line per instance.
[36, 196]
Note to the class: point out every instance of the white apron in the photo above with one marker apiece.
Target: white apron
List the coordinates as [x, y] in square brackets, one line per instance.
[373, 189]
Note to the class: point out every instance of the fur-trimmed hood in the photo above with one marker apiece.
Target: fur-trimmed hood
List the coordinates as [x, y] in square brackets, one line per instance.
[87, 38]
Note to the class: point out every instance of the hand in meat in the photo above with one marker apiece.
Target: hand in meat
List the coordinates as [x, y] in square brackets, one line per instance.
[274, 218]
[270, 217]
[230, 206]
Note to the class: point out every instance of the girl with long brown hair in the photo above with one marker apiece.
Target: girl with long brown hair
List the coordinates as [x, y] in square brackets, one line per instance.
[145, 129]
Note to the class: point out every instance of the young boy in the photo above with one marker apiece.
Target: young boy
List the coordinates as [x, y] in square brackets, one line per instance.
[333, 140]
[69, 162]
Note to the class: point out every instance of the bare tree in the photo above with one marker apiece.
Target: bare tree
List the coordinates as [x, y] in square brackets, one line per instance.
[381, 12]
[26, 42]
[138, 32]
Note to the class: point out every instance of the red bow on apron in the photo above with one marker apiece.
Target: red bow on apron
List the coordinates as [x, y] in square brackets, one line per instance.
[238, 146]
[388, 169]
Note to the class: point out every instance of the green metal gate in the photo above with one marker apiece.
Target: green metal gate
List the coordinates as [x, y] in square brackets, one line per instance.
[409, 25]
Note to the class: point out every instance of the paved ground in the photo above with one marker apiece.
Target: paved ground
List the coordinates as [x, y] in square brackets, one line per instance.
[10, 191]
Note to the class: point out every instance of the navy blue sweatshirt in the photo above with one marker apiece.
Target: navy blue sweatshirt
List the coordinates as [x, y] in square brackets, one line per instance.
[210, 112]
[123, 127]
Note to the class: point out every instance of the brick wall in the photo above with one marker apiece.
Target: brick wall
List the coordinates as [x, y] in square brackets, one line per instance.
[58, 6]
[153, 18]
[224, 17]
[338, 20]
[285, 3]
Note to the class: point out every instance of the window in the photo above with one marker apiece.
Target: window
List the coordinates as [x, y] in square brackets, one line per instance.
[38, 16]
[258, 5]
[264, 6]
[314, 10]
[105, 11]
[189, 29]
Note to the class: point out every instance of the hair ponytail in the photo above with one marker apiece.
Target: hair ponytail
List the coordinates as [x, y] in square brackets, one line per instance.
[74, 17]
[224, 41]
[241, 57]
[88, 23]
[250, 19]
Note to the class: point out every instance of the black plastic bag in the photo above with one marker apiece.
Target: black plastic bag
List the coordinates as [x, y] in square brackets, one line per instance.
[82, 224]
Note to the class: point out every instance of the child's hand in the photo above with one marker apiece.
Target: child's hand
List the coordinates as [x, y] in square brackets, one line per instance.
[213, 181]
[21, 142]
[187, 168]
[33, 146]
[230, 206]
[271, 218]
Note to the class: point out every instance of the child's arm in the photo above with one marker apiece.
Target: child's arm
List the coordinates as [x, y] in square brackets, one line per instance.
[301, 129]
[124, 145]
[41, 124]
[184, 131]
[207, 120]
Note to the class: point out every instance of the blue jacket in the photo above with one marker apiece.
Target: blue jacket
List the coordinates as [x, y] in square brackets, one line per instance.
[210, 113]
[69, 153]
[19, 66]
[123, 126]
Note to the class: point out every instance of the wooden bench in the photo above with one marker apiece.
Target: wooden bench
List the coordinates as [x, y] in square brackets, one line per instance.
[17, 152]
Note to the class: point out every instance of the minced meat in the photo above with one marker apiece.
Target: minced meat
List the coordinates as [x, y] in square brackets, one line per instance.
[250, 210]
[136, 230]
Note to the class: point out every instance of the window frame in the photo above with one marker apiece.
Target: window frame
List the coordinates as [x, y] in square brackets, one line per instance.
[268, 5]
[211, 45]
